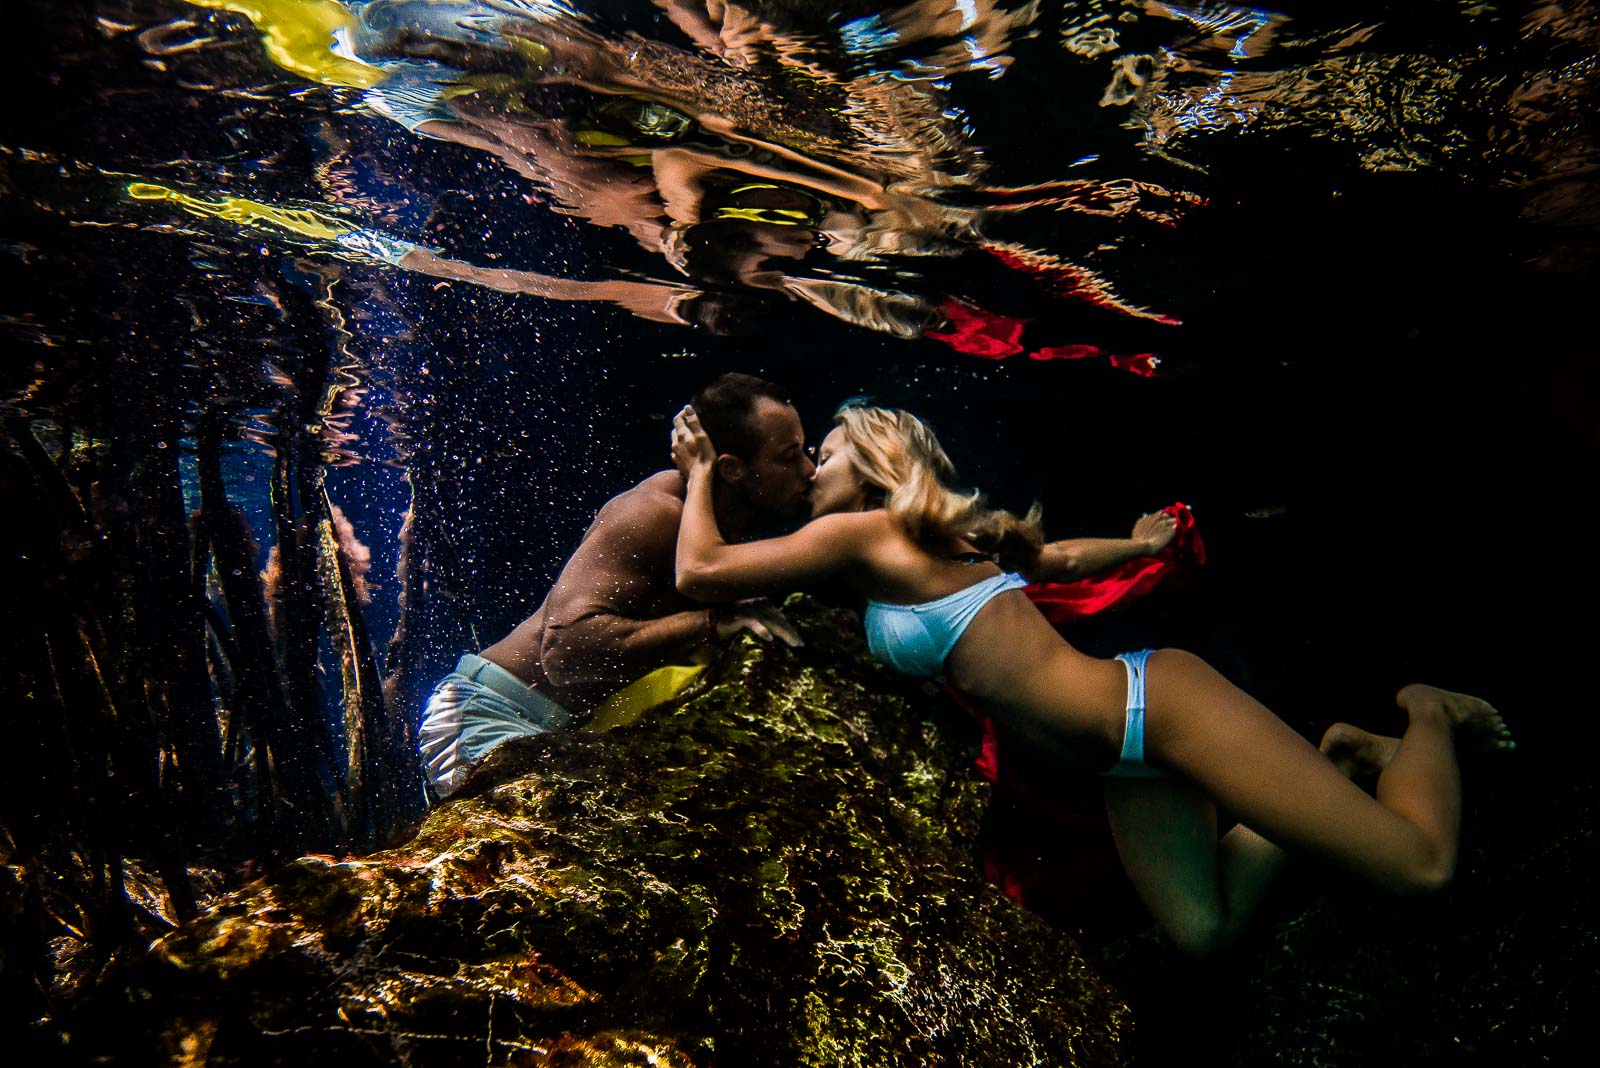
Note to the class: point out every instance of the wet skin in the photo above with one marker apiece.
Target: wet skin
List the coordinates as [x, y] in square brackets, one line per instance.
[1221, 745]
[614, 612]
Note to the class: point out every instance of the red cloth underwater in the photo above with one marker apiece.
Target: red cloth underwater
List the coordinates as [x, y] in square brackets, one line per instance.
[1063, 602]
[1077, 844]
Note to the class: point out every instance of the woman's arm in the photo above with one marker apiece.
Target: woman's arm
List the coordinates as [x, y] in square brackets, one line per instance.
[709, 569]
[1076, 558]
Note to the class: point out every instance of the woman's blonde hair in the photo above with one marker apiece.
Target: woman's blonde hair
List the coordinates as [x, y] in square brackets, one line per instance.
[897, 453]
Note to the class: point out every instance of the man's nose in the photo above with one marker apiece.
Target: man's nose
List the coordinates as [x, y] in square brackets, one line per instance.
[810, 468]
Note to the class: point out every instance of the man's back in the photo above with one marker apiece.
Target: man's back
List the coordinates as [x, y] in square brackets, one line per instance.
[612, 614]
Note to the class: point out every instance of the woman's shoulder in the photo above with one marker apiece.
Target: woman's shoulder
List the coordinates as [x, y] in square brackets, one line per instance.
[881, 541]
[871, 524]
[873, 538]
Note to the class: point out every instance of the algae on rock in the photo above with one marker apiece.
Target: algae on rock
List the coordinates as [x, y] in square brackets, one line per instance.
[776, 868]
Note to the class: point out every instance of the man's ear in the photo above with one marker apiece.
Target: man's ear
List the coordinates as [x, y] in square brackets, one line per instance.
[731, 469]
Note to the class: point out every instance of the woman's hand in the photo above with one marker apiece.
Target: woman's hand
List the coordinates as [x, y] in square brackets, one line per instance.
[1155, 531]
[691, 449]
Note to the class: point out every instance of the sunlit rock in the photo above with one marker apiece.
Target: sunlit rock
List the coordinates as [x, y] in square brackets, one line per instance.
[775, 869]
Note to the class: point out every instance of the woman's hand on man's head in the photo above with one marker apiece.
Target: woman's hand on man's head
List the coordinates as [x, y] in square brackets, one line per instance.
[691, 448]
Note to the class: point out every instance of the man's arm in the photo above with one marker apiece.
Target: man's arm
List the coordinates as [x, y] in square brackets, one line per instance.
[1076, 558]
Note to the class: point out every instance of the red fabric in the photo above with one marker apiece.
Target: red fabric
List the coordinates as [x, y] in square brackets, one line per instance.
[1080, 856]
[1063, 602]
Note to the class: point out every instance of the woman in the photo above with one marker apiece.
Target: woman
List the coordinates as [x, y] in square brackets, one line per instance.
[943, 577]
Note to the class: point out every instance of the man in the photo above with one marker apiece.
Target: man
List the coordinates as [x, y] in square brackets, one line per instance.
[615, 613]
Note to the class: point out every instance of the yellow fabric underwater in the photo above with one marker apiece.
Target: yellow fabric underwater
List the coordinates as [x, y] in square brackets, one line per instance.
[634, 700]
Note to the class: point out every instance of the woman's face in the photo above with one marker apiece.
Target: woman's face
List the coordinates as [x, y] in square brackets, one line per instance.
[837, 486]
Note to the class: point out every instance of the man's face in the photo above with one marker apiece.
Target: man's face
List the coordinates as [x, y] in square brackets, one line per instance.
[778, 477]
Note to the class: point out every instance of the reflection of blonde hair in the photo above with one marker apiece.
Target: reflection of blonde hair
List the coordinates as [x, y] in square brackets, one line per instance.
[896, 452]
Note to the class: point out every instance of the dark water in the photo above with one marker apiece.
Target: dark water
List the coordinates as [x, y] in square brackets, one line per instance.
[1324, 273]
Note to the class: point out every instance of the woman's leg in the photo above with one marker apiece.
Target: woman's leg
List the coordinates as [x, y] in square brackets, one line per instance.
[1250, 762]
[1200, 891]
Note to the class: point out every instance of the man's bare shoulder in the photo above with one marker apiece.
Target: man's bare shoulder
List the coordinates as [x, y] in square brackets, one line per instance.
[652, 509]
[663, 484]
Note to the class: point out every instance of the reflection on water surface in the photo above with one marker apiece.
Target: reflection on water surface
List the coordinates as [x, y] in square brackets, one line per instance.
[730, 165]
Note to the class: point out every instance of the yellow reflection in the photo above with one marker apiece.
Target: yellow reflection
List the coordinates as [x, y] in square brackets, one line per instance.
[245, 212]
[298, 35]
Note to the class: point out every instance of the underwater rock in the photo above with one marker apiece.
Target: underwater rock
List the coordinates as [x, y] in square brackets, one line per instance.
[776, 868]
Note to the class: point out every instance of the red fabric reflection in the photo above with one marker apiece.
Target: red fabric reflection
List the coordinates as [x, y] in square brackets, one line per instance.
[992, 336]
[980, 333]
[1143, 364]
[1067, 352]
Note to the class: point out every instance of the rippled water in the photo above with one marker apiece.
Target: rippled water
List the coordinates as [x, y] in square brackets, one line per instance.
[344, 269]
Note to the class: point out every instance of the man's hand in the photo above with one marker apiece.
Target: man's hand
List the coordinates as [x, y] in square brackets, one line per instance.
[1155, 531]
[758, 616]
[691, 447]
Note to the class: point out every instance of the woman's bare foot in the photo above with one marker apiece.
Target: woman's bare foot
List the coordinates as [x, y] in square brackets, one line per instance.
[1357, 752]
[1474, 718]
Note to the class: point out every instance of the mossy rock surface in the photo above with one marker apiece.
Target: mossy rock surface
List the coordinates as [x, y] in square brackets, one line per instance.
[777, 868]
